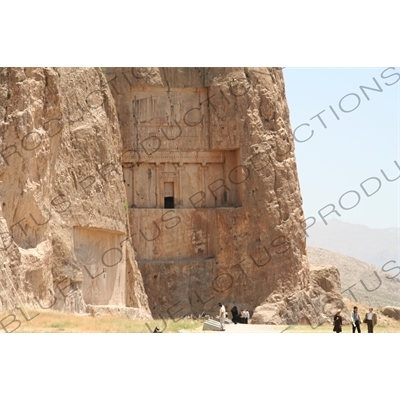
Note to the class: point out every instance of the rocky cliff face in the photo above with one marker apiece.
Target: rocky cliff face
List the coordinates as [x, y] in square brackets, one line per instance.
[65, 241]
[213, 192]
[189, 170]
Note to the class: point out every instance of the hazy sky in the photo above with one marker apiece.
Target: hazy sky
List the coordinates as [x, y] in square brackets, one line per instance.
[360, 138]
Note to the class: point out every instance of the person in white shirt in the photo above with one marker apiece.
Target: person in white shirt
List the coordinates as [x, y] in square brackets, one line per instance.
[371, 319]
[246, 315]
[222, 314]
[355, 320]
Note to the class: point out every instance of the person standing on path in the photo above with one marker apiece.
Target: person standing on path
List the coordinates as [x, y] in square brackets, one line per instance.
[222, 313]
[246, 315]
[371, 319]
[355, 320]
[337, 322]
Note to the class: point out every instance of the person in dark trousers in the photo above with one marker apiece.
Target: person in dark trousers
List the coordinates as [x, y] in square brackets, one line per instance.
[355, 320]
[337, 323]
[246, 315]
[371, 319]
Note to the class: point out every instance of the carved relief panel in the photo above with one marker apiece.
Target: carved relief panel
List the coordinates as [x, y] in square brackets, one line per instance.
[178, 117]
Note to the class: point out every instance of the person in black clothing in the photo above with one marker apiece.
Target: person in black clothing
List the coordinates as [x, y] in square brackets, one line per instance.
[337, 323]
[235, 314]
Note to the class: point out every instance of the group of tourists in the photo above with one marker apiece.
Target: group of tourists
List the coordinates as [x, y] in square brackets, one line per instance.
[241, 318]
[237, 318]
[370, 319]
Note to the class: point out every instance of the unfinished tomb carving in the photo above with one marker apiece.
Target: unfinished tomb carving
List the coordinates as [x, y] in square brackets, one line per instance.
[102, 261]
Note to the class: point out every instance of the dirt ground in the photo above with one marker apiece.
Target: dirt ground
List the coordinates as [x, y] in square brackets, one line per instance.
[31, 321]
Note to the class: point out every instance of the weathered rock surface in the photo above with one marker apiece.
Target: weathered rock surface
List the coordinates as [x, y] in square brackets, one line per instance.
[314, 307]
[190, 170]
[393, 312]
[62, 216]
[213, 192]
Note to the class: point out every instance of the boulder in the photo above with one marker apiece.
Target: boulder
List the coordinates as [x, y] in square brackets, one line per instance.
[393, 312]
[314, 306]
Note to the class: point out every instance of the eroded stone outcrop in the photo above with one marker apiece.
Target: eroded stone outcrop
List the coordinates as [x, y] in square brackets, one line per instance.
[315, 306]
[63, 207]
[393, 312]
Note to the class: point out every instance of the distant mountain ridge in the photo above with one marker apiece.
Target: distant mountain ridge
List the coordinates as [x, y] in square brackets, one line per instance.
[362, 282]
[373, 246]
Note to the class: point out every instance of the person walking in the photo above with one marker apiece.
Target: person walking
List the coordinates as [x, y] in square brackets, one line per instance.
[355, 320]
[222, 314]
[371, 319]
[337, 322]
[235, 314]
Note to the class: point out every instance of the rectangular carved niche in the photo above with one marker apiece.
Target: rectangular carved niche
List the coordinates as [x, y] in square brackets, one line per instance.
[169, 186]
[102, 260]
[169, 195]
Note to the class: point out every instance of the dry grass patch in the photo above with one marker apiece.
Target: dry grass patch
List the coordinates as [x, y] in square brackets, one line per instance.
[54, 321]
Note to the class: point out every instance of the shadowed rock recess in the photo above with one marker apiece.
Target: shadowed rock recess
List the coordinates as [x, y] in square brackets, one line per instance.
[154, 190]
